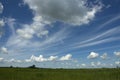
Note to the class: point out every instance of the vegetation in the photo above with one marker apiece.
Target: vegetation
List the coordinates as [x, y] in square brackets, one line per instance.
[58, 74]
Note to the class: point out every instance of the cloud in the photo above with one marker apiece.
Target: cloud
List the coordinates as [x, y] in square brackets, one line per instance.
[2, 23]
[98, 63]
[117, 54]
[4, 50]
[106, 40]
[36, 59]
[117, 62]
[92, 55]
[37, 35]
[55, 10]
[26, 33]
[110, 21]
[83, 65]
[14, 60]
[1, 59]
[36, 28]
[1, 8]
[64, 10]
[103, 37]
[52, 58]
[93, 64]
[11, 22]
[104, 56]
[19, 43]
[66, 57]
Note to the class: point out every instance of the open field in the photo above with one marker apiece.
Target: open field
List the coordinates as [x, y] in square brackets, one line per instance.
[58, 74]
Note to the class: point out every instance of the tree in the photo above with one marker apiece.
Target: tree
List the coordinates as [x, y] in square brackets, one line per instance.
[33, 66]
[11, 66]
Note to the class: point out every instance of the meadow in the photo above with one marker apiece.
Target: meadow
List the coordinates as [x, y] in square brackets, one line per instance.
[59, 74]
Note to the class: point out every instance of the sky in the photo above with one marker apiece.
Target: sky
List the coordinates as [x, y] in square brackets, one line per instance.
[60, 33]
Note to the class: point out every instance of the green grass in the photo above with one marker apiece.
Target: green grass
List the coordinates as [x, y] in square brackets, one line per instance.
[58, 74]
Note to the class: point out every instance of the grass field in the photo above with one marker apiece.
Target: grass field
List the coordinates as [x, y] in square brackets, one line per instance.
[58, 74]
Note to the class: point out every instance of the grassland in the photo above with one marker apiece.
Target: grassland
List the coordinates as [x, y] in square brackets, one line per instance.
[58, 74]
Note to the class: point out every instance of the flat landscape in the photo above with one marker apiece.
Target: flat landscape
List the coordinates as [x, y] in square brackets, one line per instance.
[59, 74]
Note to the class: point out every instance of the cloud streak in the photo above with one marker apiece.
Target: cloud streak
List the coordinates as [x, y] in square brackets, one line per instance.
[1, 8]
[103, 37]
[110, 21]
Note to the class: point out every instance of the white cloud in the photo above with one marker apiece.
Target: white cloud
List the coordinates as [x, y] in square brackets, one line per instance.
[117, 62]
[25, 33]
[11, 22]
[1, 59]
[66, 57]
[27, 60]
[64, 10]
[1, 8]
[2, 23]
[52, 58]
[36, 28]
[104, 56]
[36, 59]
[117, 54]
[92, 55]
[4, 50]
[98, 63]
[93, 64]
[83, 65]
[14, 60]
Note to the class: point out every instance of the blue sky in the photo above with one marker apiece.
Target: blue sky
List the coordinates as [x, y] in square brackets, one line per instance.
[60, 33]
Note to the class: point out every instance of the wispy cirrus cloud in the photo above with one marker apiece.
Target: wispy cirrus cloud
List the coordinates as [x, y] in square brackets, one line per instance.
[110, 21]
[1, 8]
[99, 38]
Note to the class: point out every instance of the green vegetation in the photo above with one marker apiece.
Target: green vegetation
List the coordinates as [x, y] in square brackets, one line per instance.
[58, 74]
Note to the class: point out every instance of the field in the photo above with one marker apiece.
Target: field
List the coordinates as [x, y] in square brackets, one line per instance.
[58, 74]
